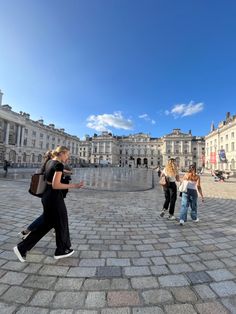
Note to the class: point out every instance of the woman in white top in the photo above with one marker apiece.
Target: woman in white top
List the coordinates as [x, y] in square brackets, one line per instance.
[171, 173]
[189, 198]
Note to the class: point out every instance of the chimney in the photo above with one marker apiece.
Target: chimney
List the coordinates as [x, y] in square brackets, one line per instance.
[1, 94]
[212, 126]
[227, 116]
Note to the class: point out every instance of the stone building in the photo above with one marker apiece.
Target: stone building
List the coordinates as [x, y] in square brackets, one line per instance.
[221, 145]
[141, 150]
[184, 147]
[24, 141]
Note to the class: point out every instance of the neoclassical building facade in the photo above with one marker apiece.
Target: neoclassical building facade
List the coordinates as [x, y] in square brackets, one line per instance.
[221, 145]
[23, 142]
[141, 150]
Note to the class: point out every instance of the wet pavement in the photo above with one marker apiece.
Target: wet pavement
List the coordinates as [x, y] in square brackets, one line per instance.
[127, 259]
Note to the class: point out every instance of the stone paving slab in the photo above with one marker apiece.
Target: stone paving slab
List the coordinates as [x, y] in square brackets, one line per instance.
[127, 259]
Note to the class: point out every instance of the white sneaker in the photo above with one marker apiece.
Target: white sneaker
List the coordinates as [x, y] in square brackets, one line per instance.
[181, 222]
[171, 217]
[20, 257]
[196, 220]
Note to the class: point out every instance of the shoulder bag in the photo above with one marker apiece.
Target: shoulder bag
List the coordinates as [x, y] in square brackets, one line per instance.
[183, 187]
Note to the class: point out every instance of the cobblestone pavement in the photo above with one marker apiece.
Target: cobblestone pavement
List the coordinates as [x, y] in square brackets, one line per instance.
[128, 260]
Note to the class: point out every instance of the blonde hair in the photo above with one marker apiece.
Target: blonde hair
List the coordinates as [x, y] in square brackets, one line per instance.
[171, 169]
[60, 149]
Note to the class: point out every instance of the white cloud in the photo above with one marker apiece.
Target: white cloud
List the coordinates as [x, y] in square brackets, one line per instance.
[101, 122]
[184, 110]
[146, 117]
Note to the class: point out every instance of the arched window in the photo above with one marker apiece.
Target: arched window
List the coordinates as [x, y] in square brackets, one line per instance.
[24, 157]
[12, 156]
[40, 158]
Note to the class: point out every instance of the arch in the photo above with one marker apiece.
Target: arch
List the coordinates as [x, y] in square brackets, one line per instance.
[138, 161]
[12, 156]
[24, 157]
[145, 162]
[177, 161]
[40, 157]
[32, 157]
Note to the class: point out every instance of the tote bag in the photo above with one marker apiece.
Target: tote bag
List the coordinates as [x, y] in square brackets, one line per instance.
[183, 187]
[37, 184]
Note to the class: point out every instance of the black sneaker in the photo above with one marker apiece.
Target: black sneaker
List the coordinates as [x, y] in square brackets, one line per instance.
[24, 234]
[162, 214]
[67, 253]
[21, 257]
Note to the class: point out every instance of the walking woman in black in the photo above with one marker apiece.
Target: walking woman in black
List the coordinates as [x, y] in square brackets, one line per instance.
[54, 209]
[170, 191]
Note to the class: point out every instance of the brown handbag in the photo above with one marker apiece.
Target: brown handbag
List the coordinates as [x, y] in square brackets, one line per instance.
[163, 181]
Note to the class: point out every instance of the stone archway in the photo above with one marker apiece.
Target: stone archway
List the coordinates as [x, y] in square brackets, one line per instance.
[32, 158]
[138, 161]
[24, 157]
[145, 162]
[40, 158]
[177, 161]
[12, 156]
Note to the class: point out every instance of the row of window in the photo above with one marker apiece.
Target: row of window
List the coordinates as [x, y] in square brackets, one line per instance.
[221, 139]
[232, 148]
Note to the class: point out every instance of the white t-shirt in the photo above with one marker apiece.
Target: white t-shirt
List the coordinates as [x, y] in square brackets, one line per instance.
[170, 178]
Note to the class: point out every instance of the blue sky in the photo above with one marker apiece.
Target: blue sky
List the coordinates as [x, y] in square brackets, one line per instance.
[126, 66]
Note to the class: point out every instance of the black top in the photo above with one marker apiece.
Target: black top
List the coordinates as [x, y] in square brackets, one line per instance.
[52, 166]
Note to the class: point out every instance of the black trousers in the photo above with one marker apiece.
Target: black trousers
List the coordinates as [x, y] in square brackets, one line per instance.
[54, 216]
[170, 197]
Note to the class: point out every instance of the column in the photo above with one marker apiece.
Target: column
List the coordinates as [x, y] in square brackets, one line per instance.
[22, 136]
[173, 147]
[18, 135]
[7, 133]
[190, 147]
